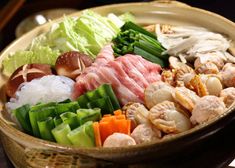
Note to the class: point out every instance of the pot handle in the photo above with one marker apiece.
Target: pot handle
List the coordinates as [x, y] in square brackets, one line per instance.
[168, 3]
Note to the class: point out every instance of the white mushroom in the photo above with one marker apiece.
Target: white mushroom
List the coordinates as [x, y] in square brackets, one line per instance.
[145, 133]
[167, 119]
[119, 140]
[206, 109]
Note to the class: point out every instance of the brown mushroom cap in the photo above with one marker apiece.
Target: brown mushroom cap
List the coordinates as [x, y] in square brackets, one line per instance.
[26, 73]
[72, 63]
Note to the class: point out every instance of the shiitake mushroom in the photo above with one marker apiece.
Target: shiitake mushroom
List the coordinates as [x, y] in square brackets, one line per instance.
[26, 73]
[72, 63]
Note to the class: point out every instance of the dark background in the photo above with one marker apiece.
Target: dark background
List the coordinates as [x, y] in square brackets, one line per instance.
[218, 151]
[222, 7]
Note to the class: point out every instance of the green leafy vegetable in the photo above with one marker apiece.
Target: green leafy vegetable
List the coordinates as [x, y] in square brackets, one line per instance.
[135, 39]
[87, 34]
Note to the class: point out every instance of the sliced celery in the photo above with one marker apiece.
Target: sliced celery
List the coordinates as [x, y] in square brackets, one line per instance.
[103, 103]
[66, 107]
[60, 134]
[106, 90]
[80, 138]
[57, 120]
[39, 115]
[85, 115]
[45, 127]
[71, 119]
[22, 115]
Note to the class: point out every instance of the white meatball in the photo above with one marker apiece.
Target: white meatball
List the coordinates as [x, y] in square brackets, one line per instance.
[144, 133]
[228, 96]
[228, 75]
[207, 108]
[119, 140]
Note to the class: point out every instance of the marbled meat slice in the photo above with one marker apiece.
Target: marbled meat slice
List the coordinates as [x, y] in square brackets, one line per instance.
[129, 75]
[132, 71]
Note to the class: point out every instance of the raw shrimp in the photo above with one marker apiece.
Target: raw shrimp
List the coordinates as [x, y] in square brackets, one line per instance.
[228, 75]
[185, 97]
[167, 119]
[158, 92]
[206, 109]
[119, 140]
[145, 133]
[228, 96]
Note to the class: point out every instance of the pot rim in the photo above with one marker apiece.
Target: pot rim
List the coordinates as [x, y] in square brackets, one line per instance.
[206, 128]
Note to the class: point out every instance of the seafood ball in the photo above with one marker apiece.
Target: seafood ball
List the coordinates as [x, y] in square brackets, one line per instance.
[144, 133]
[119, 140]
[228, 75]
[207, 108]
[185, 97]
[167, 119]
[158, 92]
[228, 95]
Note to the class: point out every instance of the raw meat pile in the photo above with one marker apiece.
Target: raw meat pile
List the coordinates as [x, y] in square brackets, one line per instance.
[129, 75]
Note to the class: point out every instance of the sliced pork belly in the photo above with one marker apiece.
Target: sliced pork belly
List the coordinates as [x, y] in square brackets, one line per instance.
[129, 75]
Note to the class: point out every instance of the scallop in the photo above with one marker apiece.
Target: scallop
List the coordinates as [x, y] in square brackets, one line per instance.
[185, 97]
[228, 96]
[137, 113]
[206, 109]
[119, 140]
[167, 119]
[184, 75]
[144, 133]
[228, 75]
[198, 86]
[158, 92]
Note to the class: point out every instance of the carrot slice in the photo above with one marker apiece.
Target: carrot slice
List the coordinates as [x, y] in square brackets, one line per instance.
[97, 134]
[128, 127]
[106, 129]
[117, 112]
[120, 117]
